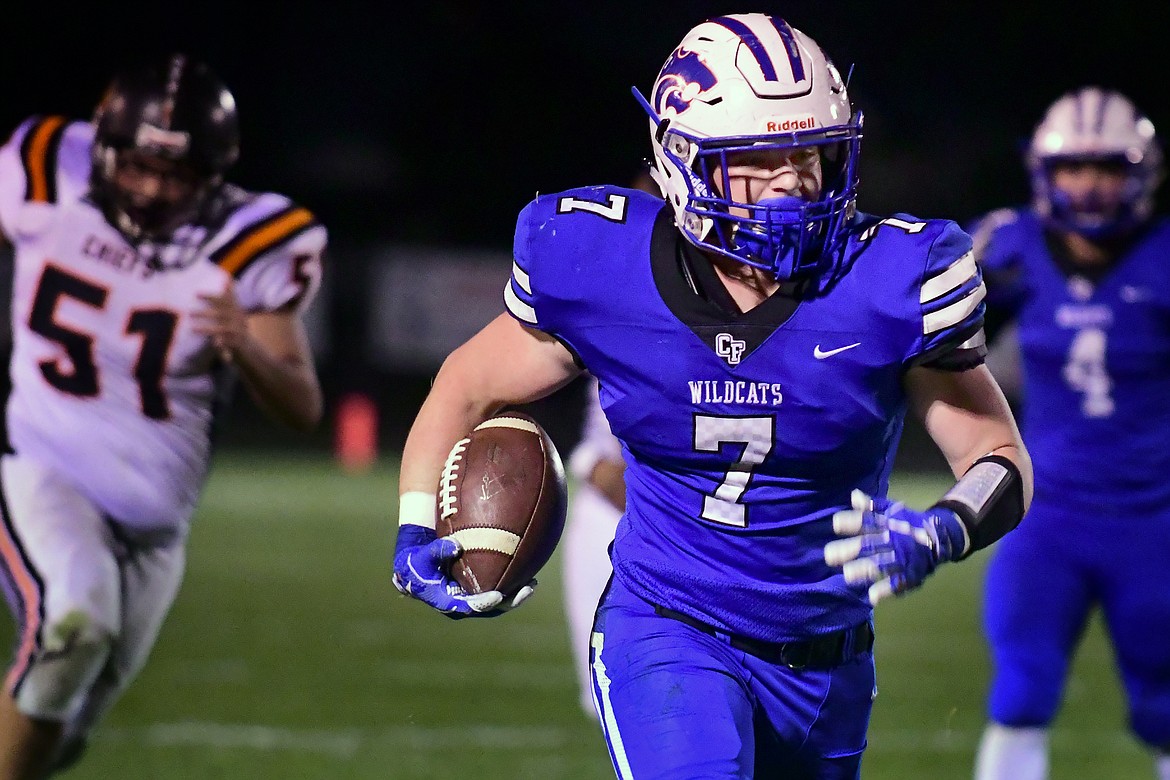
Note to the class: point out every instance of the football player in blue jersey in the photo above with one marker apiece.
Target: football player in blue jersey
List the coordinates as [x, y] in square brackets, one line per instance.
[1082, 272]
[757, 342]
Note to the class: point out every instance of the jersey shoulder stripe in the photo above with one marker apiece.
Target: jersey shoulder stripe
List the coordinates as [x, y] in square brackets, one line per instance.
[926, 273]
[253, 241]
[949, 279]
[519, 299]
[518, 285]
[38, 154]
[961, 280]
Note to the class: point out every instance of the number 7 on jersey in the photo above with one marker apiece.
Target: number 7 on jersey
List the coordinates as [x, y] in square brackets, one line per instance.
[758, 436]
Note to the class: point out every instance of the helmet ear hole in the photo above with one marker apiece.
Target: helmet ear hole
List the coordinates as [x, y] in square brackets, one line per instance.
[660, 131]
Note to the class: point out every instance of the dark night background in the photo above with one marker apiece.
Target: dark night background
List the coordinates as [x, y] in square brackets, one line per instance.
[434, 123]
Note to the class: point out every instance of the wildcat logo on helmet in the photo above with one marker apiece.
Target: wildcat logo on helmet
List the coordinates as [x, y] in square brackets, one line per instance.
[684, 78]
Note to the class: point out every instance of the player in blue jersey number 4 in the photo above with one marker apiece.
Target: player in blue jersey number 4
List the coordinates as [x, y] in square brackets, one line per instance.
[757, 343]
[1083, 273]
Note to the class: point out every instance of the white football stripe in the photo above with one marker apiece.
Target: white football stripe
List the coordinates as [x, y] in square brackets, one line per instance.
[521, 277]
[493, 539]
[955, 313]
[949, 280]
[520, 309]
[978, 340]
[518, 423]
[604, 704]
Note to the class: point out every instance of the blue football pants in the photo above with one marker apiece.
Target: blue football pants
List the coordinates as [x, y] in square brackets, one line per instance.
[677, 703]
[1042, 582]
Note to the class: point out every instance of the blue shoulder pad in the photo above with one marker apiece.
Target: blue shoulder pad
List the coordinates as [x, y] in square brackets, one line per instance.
[567, 246]
[923, 276]
[950, 295]
[999, 251]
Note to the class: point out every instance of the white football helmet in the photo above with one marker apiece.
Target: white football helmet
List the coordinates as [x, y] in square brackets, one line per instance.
[752, 81]
[1092, 124]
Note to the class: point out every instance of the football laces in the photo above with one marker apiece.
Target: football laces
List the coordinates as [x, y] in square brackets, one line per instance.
[448, 496]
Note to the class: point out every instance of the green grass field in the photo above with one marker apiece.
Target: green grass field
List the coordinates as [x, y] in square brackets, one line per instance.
[289, 655]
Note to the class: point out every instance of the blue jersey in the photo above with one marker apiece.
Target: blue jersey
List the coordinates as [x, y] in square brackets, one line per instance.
[742, 433]
[1096, 360]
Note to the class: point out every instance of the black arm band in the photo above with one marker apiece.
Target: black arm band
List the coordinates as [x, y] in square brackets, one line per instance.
[989, 500]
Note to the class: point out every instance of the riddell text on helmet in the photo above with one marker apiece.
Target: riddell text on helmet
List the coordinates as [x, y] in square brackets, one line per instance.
[788, 125]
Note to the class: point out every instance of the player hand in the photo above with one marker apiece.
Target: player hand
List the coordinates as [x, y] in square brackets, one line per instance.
[222, 320]
[421, 561]
[891, 547]
[493, 602]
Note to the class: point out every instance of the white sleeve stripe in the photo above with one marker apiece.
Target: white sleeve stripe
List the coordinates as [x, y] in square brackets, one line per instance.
[959, 272]
[521, 278]
[978, 340]
[520, 310]
[955, 313]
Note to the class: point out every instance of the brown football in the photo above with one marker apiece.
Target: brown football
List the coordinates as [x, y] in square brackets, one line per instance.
[502, 496]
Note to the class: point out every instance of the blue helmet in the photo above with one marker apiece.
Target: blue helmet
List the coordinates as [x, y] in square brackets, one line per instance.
[752, 82]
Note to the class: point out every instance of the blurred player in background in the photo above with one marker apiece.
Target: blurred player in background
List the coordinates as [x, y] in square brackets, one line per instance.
[757, 342]
[598, 502]
[143, 282]
[1083, 273]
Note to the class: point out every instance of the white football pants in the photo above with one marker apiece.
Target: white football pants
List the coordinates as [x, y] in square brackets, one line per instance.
[88, 600]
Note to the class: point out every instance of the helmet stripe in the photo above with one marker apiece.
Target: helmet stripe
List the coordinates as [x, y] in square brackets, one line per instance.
[754, 45]
[174, 75]
[1078, 118]
[789, 39]
[1101, 107]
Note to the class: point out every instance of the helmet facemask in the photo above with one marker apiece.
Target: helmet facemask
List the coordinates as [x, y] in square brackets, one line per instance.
[179, 192]
[789, 236]
[752, 85]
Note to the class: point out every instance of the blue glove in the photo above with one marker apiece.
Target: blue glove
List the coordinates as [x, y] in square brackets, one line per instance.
[421, 561]
[891, 547]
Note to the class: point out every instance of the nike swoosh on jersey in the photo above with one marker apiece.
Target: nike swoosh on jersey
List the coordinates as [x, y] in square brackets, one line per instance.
[819, 355]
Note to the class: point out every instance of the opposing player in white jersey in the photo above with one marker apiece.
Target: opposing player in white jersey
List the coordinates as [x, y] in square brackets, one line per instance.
[598, 501]
[143, 283]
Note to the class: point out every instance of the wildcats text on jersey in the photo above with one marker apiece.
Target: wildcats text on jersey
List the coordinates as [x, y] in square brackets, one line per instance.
[742, 392]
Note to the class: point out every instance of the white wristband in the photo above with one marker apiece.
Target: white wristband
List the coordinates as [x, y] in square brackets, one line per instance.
[417, 508]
